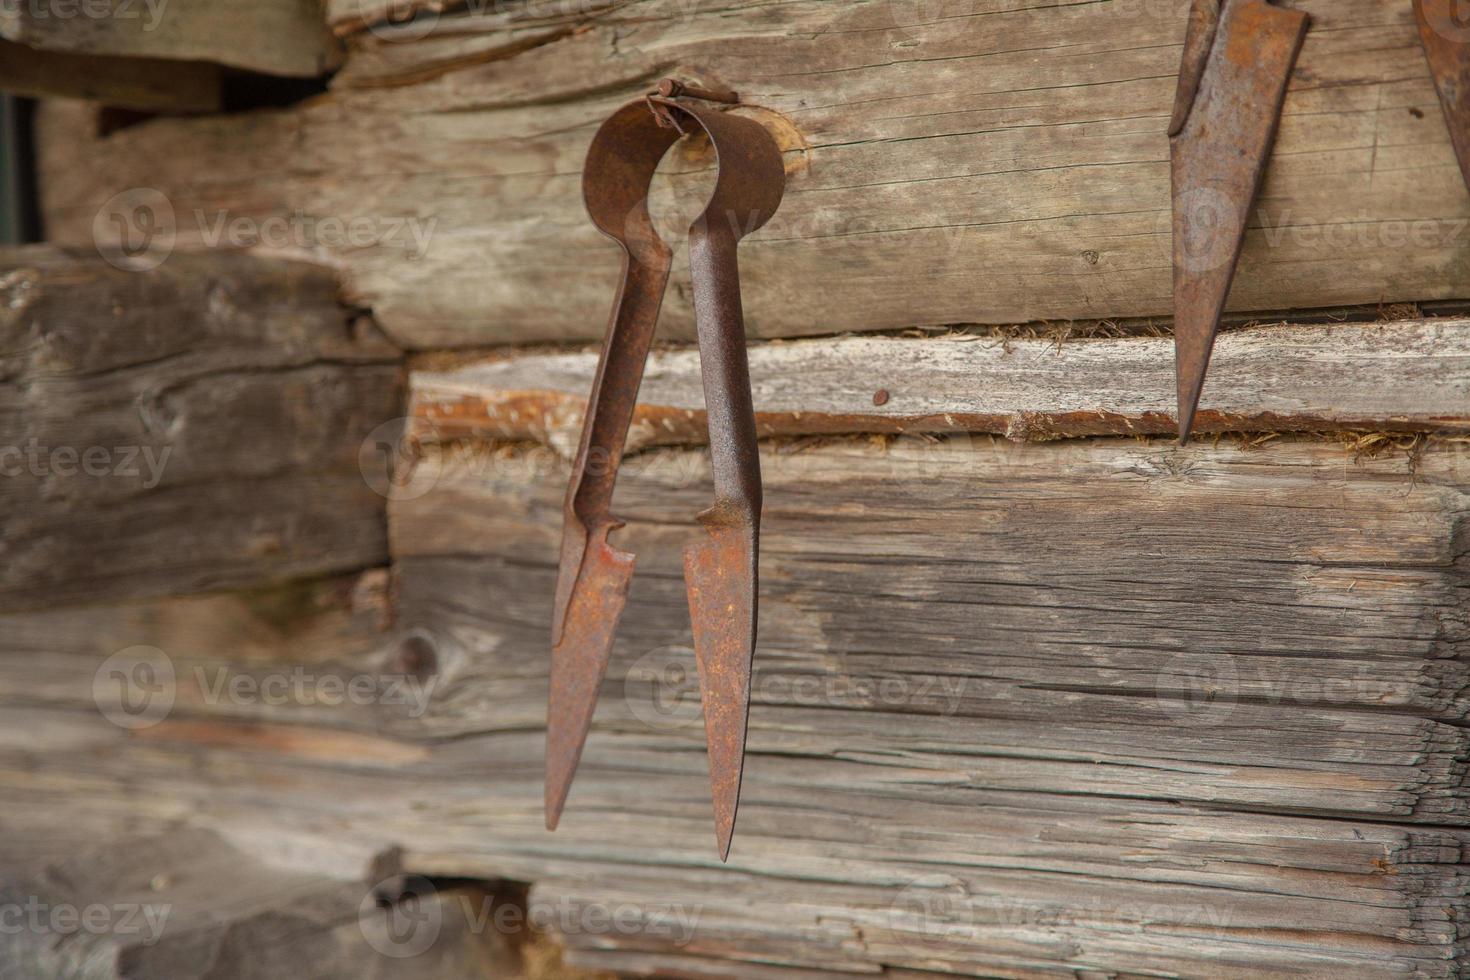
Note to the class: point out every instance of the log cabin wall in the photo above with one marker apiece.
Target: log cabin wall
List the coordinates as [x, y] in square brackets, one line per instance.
[290, 394]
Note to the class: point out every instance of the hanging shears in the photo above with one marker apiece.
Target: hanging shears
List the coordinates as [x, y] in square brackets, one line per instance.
[720, 567]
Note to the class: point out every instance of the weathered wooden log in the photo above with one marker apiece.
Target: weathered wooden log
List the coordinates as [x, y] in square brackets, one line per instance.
[956, 161]
[194, 427]
[1097, 706]
[1397, 377]
[189, 904]
[136, 83]
[277, 37]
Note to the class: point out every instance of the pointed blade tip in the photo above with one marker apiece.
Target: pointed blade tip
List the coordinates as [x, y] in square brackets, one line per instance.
[724, 830]
[557, 786]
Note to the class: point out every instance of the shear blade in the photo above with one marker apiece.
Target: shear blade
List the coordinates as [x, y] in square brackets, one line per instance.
[1446, 37]
[720, 577]
[579, 660]
[1220, 145]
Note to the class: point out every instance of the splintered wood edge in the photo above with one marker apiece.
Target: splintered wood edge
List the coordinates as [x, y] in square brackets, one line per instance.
[1402, 377]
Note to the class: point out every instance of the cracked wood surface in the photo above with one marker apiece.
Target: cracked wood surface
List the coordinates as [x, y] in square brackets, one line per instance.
[1404, 377]
[194, 427]
[1089, 707]
[955, 161]
[277, 37]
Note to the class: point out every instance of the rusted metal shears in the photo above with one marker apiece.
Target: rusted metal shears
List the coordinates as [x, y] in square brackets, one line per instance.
[1238, 57]
[720, 567]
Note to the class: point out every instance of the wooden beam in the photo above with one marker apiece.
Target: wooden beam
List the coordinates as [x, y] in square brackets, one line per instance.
[187, 903]
[275, 37]
[135, 83]
[193, 427]
[1395, 377]
[1087, 580]
[950, 162]
[1095, 705]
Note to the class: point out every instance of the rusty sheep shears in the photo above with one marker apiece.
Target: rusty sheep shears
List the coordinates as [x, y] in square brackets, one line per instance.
[1238, 58]
[719, 567]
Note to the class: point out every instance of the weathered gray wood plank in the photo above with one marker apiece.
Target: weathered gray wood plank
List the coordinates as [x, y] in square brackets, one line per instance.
[956, 161]
[278, 37]
[996, 588]
[187, 903]
[194, 427]
[963, 879]
[1087, 706]
[1410, 377]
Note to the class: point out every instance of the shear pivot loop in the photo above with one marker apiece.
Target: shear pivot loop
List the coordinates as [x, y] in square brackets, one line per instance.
[719, 567]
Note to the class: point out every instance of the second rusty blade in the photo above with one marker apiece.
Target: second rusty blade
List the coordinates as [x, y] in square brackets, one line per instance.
[1221, 137]
[1446, 36]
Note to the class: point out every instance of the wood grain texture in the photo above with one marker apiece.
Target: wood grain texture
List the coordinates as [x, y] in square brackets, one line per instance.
[1085, 708]
[194, 427]
[1217, 629]
[951, 161]
[277, 37]
[136, 83]
[188, 903]
[1409, 377]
